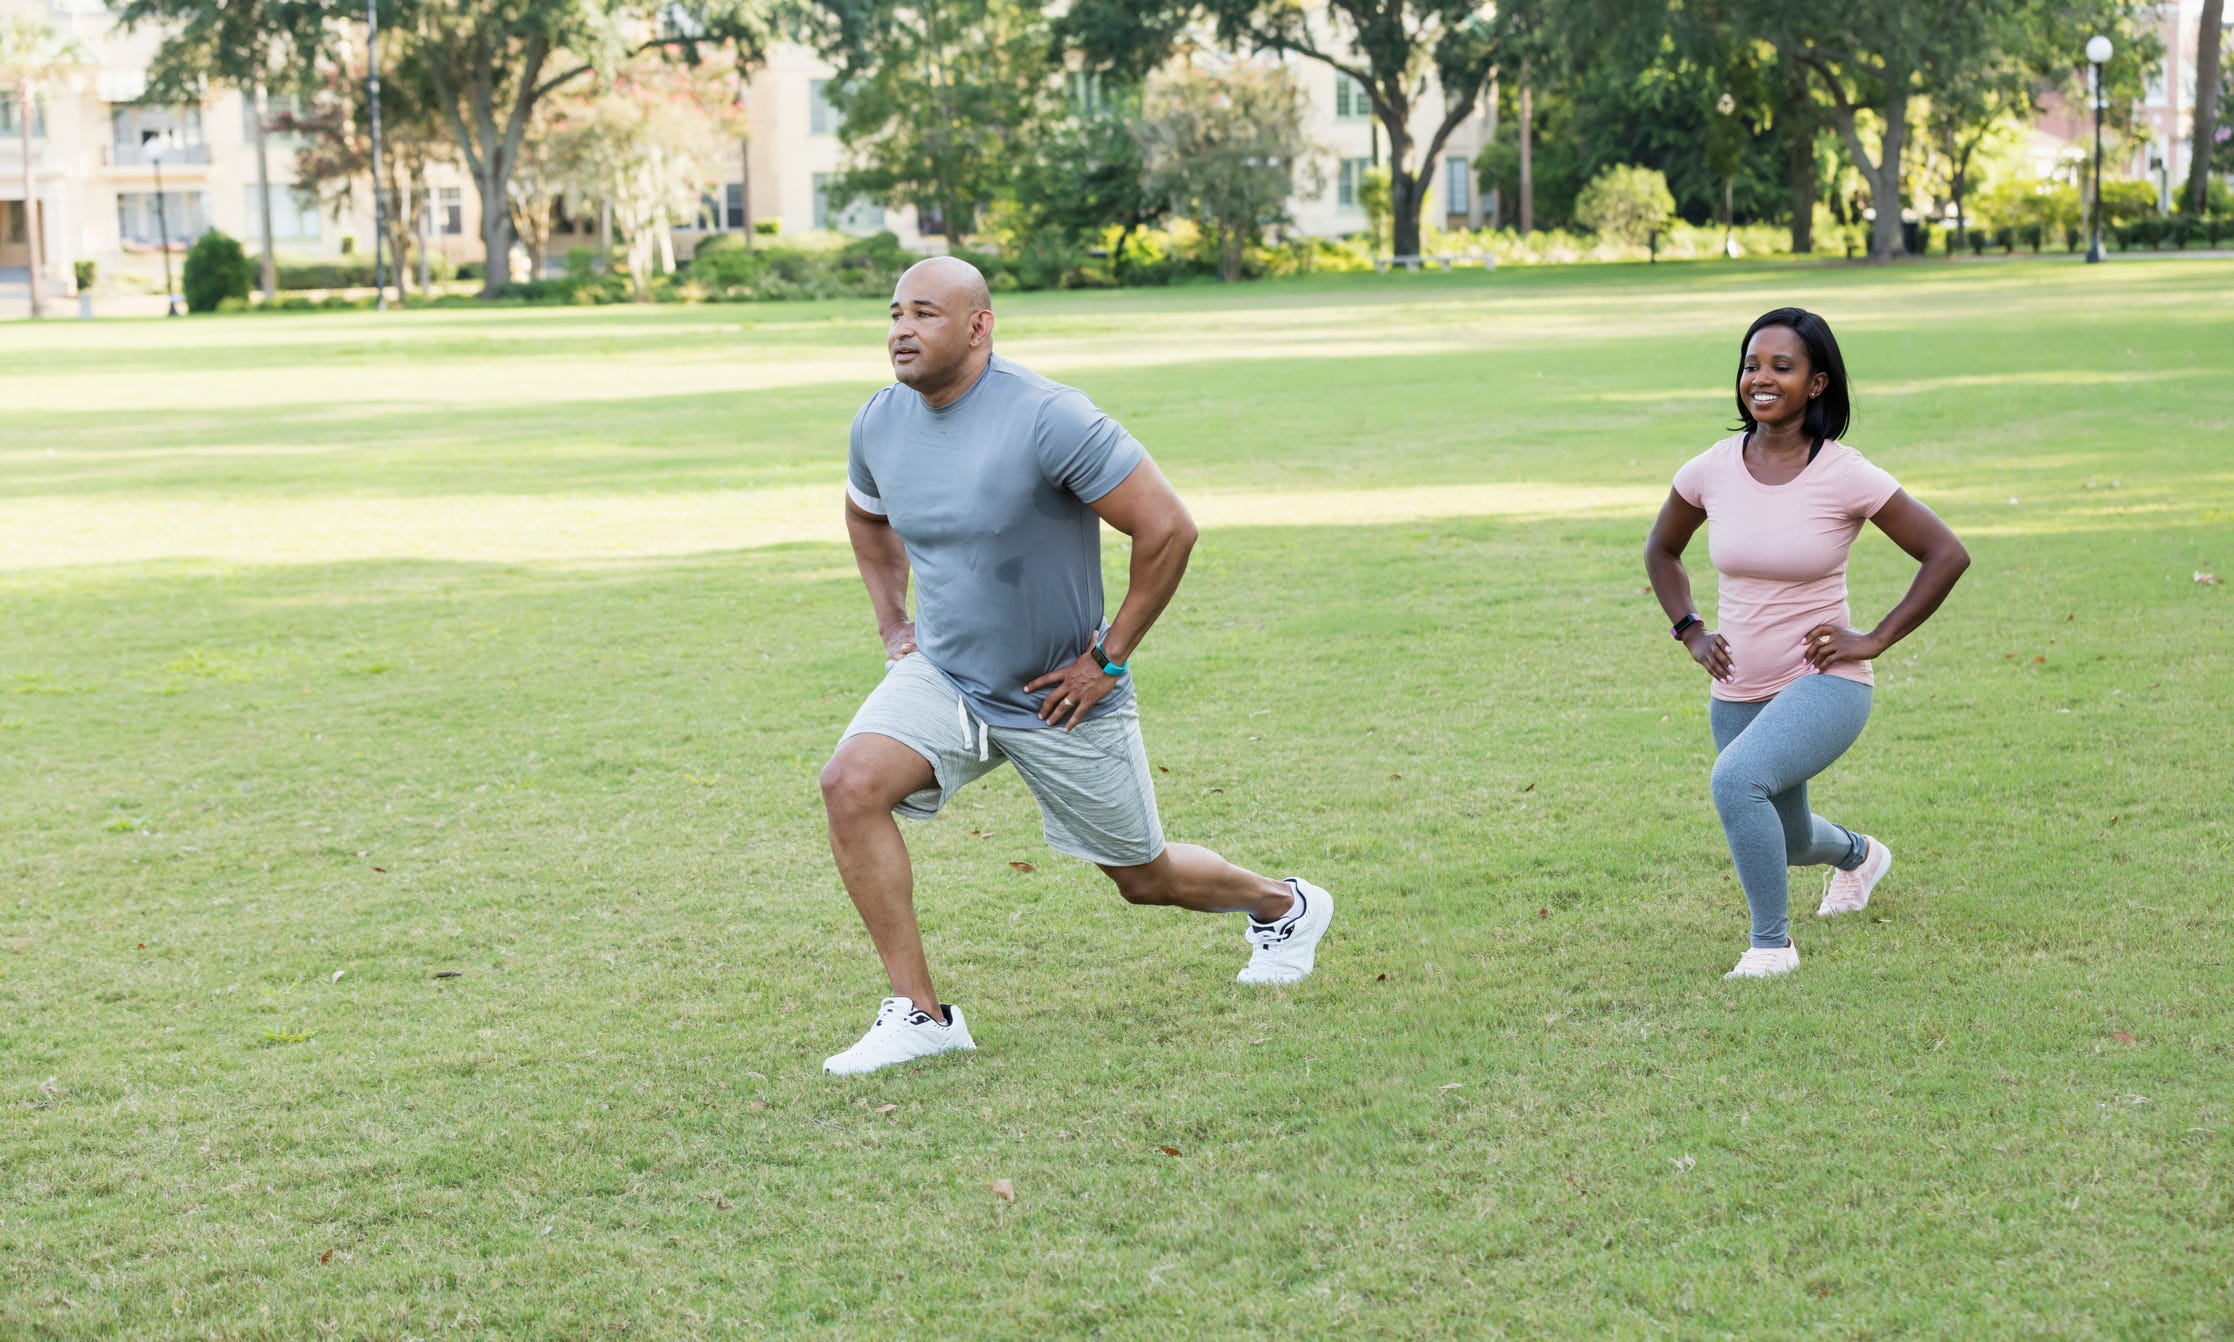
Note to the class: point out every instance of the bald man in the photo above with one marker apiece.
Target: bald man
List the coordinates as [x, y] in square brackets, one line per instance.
[989, 484]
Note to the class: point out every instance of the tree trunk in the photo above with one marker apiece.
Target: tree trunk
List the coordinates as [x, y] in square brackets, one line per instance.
[2207, 56]
[1883, 176]
[744, 188]
[1799, 162]
[1527, 152]
[30, 207]
[270, 264]
[1493, 208]
[1407, 191]
[496, 224]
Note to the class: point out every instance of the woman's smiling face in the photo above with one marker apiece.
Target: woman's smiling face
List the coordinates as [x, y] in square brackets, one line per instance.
[1775, 379]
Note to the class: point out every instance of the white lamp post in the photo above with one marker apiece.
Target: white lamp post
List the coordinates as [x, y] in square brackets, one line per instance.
[2098, 55]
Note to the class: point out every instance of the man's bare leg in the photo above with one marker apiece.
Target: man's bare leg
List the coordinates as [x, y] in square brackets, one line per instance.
[861, 784]
[1189, 877]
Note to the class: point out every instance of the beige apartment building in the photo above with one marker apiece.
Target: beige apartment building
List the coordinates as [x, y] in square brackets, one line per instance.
[94, 165]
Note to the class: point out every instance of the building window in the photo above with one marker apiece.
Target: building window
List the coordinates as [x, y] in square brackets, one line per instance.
[449, 211]
[185, 217]
[294, 215]
[15, 213]
[820, 119]
[12, 128]
[822, 200]
[132, 125]
[1347, 181]
[930, 219]
[733, 205]
[1458, 181]
[1350, 101]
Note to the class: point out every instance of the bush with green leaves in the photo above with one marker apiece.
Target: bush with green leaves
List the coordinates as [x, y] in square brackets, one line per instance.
[216, 269]
[2124, 202]
[1626, 203]
[336, 274]
[85, 273]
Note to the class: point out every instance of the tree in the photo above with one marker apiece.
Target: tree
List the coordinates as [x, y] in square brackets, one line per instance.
[1226, 148]
[1873, 59]
[237, 44]
[335, 158]
[2207, 98]
[1087, 173]
[31, 54]
[939, 101]
[490, 64]
[647, 144]
[1626, 202]
[1390, 47]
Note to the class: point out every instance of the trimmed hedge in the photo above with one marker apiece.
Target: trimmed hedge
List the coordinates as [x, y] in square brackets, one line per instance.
[216, 269]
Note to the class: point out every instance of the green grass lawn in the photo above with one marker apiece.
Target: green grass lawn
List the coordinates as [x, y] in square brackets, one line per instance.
[416, 920]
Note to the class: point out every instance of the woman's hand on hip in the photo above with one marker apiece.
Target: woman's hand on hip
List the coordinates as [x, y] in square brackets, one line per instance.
[1828, 645]
[1709, 650]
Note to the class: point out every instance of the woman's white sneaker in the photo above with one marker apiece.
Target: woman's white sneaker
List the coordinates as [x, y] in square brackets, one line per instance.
[1848, 891]
[1765, 961]
[1283, 951]
[902, 1032]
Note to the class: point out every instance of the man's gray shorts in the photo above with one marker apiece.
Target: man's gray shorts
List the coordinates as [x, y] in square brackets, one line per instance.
[1096, 798]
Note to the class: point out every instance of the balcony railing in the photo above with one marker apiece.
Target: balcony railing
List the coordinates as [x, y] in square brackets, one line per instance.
[177, 155]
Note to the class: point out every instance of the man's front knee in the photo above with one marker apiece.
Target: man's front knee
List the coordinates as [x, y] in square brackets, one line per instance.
[850, 791]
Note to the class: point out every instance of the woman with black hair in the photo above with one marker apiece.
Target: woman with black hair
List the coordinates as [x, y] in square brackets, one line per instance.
[1792, 684]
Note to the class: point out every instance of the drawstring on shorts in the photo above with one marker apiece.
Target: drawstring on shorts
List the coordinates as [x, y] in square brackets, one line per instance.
[974, 732]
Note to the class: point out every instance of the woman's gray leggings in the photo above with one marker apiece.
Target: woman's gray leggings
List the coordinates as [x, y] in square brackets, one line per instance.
[1768, 751]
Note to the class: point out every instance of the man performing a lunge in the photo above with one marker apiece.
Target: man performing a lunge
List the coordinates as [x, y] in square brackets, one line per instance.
[990, 484]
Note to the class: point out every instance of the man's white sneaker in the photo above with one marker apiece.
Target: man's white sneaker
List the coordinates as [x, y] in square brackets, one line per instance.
[902, 1032]
[1848, 891]
[1765, 961]
[1282, 952]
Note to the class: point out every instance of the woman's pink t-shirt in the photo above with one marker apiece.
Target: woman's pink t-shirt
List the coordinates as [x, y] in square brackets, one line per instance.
[1781, 552]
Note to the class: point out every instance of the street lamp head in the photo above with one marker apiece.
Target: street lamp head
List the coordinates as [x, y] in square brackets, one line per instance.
[2099, 49]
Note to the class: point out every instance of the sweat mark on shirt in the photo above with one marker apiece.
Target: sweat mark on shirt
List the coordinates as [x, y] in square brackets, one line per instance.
[1010, 571]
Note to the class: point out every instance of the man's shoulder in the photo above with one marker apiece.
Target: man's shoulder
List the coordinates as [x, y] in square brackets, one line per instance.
[1021, 384]
[883, 401]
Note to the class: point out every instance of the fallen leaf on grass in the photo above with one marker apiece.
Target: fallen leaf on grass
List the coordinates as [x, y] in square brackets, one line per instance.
[1256, 1041]
[1169, 1150]
[326, 1257]
[448, 973]
[1023, 866]
[1396, 775]
[48, 1087]
[1380, 978]
[1530, 788]
[1004, 1190]
[1452, 1086]
[758, 1104]
[2121, 1036]
[382, 870]
[143, 945]
[886, 1108]
[1543, 913]
[2207, 579]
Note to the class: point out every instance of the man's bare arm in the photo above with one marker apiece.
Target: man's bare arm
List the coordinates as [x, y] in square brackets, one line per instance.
[883, 560]
[1146, 508]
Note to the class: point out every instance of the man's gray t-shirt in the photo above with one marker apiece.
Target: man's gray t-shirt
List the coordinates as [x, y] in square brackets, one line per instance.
[990, 494]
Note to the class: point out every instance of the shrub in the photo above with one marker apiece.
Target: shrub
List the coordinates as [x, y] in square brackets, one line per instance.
[216, 269]
[1626, 203]
[324, 274]
[1977, 241]
[767, 228]
[85, 272]
[2124, 202]
[469, 270]
[715, 243]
